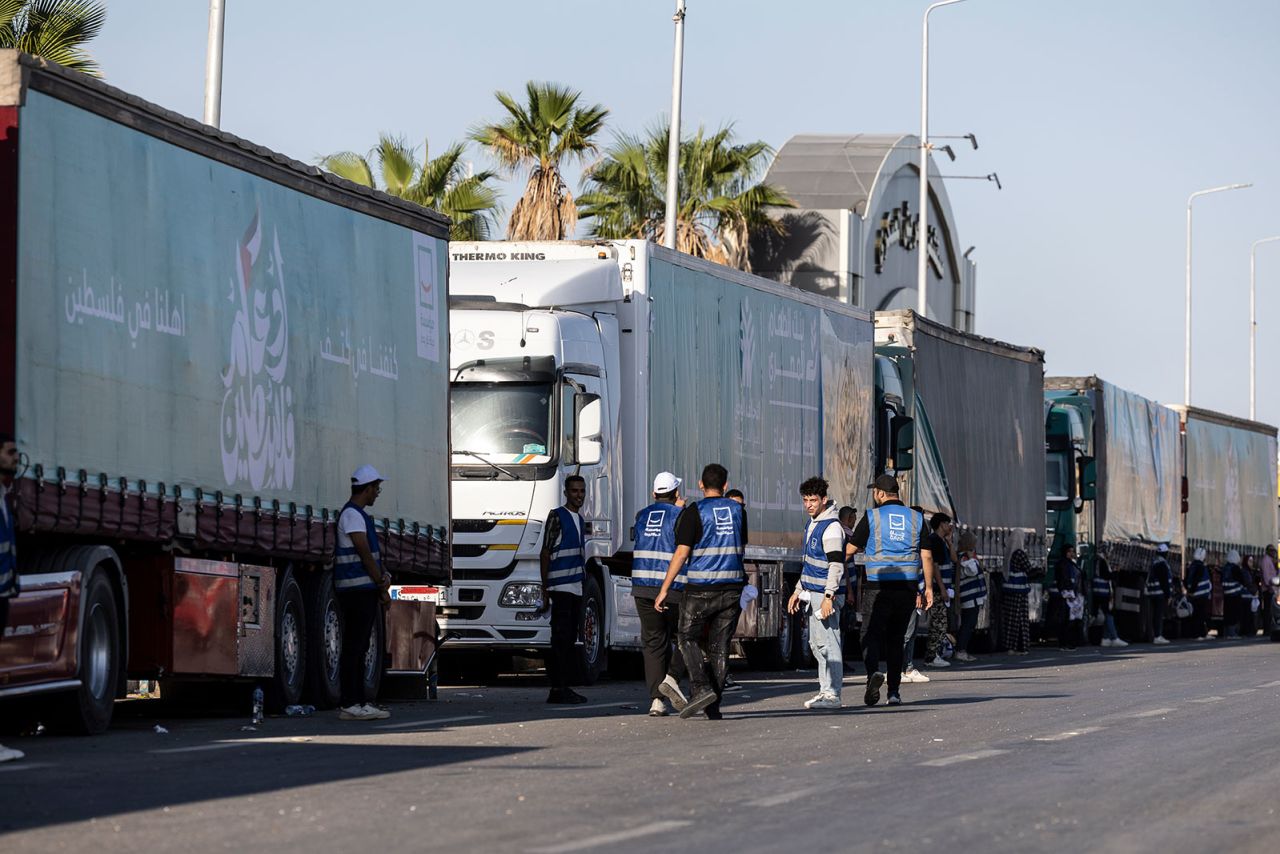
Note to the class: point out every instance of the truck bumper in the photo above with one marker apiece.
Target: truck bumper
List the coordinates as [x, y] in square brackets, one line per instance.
[474, 615]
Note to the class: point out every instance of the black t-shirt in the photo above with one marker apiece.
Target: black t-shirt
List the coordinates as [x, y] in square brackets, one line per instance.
[689, 526]
[938, 547]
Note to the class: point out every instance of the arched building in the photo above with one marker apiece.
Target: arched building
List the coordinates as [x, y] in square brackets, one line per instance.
[853, 235]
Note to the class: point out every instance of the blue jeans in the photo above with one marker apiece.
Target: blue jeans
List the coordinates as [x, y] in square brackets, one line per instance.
[824, 640]
[909, 641]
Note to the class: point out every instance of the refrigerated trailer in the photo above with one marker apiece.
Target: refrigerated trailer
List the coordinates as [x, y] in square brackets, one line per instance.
[617, 360]
[199, 341]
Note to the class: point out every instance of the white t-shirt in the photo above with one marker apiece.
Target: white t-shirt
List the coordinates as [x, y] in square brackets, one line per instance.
[349, 522]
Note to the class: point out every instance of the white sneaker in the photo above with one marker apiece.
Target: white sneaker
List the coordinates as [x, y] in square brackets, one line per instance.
[961, 655]
[823, 701]
[1118, 642]
[10, 754]
[1160, 641]
[938, 661]
[377, 713]
[815, 698]
[1108, 642]
[658, 708]
[915, 676]
[670, 689]
[357, 713]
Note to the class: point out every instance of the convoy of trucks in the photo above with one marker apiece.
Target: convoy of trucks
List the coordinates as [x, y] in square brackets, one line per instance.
[201, 339]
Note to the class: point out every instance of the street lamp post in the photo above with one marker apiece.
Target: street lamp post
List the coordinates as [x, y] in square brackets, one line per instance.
[1253, 322]
[1186, 368]
[213, 64]
[922, 233]
[673, 139]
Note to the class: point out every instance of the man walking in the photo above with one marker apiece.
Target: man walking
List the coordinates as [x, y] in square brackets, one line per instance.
[938, 542]
[711, 536]
[563, 567]
[1159, 588]
[655, 545]
[821, 591]
[891, 537]
[8, 552]
[361, 587]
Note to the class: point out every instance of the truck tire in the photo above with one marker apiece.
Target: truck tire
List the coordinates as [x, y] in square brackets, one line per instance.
[286, 686]
[374, 658]
[87, 710]
[323, 644]
[595, 656]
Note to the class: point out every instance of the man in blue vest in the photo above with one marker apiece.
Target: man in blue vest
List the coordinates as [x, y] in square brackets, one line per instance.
[891, 538]
[821, 591]
[563, 565]
[361, 585]
[1200, 592]
[655, 545]
[8, 552]
[1159, 589]
[711, 536]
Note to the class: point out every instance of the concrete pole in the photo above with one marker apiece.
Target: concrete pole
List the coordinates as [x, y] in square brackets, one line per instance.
[922, 232]
[213, 64]
[673, 140]
[1253, 324]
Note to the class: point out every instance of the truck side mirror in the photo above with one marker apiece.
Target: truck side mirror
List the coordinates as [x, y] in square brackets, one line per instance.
[589, 421]
[903, 430]
[1088, 480]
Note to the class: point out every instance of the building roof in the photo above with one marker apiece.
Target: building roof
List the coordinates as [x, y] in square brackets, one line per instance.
[834, 172]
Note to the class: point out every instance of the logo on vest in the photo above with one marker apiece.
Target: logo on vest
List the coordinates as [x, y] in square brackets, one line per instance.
[724, 520]
[653, 525]
[898, 529]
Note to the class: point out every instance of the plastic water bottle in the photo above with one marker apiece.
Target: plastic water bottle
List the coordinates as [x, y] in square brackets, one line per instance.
[257, 706]
[297, 711]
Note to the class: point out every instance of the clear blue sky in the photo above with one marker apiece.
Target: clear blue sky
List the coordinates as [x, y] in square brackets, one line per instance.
[1100, 116]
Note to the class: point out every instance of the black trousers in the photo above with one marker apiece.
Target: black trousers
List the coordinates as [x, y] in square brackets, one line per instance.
[359, 610]
[886, 611]
[1199, 616]
[658, 634]
[713, 611]
[566, 614]
[4, 617]
[1155, 613]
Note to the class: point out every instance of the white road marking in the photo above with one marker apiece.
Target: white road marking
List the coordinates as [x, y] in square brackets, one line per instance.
[783, 798]
[1241, 691]
[1275, 684]
[26, 766]
[600, 706]
[430, 722]
[1038, 660]
[962, 757]
[1071, 733]
[1152, 713]
[983, 666]
[612, 838]
[1208, 700]
[220, 745]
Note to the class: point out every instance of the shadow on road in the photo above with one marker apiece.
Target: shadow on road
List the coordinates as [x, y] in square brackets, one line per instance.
[84, 791]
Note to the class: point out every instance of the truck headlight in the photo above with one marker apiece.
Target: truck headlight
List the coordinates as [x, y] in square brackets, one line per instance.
[521, 594]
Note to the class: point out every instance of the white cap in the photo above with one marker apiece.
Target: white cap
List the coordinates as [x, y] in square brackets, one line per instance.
[1233, 556]
[364, 475]
[1162, 548]
[666, 482]
[1199, 554]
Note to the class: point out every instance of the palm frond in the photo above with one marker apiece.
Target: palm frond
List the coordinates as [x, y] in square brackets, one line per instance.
[349, 165]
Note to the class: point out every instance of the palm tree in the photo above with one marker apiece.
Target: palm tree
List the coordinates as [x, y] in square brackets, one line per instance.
[54, 29]
[539, 136]
[722, 202]
[442, 183]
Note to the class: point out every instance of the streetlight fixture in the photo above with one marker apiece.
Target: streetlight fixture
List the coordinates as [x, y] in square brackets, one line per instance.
[213, 64]
[1253, 321]
[922, 233]
[673, 138]
[1186, 368]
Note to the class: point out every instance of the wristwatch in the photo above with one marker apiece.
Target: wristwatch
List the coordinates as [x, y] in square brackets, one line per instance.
[829, 596]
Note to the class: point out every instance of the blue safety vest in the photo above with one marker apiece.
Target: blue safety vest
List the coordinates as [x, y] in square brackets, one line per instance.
[717, 558]
[1199, 584]
[655, 536]
[348, 569]
[1159, 571]
[1231, 583]
[973, 589]
[8, 555]
[567, 560]
[893, 552]
[1101, 586]
[814, 575]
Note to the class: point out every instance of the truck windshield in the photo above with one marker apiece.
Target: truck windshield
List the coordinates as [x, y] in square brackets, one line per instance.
[506, 422]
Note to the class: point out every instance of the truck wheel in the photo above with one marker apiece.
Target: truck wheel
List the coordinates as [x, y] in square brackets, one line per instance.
[595, 658]
[87, 710]
[373, 659]
[323, 644]
[286, 685]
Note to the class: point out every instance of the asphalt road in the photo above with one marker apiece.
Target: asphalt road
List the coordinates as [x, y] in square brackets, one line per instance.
[1172, 749]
